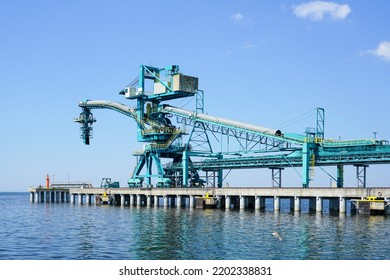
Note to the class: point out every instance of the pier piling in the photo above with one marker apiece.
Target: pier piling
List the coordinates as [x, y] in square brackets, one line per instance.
[226, 198]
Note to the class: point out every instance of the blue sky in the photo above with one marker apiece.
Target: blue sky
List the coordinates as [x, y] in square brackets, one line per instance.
[260, 62]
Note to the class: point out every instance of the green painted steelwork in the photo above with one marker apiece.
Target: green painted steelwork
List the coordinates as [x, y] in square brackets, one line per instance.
[255, 146]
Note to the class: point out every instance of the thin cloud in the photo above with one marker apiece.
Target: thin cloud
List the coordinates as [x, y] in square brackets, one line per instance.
[240, 19]
[382, 51]
[237, 18]
[248, 45]
[320, 10]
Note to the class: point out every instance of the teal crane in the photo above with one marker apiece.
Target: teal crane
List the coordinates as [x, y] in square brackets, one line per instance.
[191, 153]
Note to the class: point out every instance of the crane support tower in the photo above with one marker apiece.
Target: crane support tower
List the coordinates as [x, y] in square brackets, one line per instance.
[193, 160]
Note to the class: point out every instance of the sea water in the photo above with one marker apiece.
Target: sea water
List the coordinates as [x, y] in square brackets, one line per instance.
[65, 231]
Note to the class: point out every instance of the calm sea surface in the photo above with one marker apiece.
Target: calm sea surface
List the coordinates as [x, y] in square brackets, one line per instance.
[72, 231]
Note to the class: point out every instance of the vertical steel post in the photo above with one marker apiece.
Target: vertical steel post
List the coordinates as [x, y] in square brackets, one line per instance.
[320, 128]
[340, 175]
[305, 164]
[185, 167]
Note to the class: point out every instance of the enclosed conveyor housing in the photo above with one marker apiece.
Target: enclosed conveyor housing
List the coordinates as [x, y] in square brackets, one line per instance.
[224, 122]
[116, 106]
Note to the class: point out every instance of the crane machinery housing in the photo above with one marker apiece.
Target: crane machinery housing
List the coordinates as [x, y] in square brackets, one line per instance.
[192, 159]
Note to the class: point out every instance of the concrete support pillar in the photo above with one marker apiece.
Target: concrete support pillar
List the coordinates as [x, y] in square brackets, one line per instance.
[257, 203]
[166, 201]
[319, 204]
[148, 200]
[132, 199]
[81, 198]
[37, 197]
[156, 200]
[242, 202]
[342, 205]
[72, 198]
[31, 197]
[276, 204]
[138, 200]
[178, 201]
[228, 202]
[297, 204]
[122, 199]
[192, 201]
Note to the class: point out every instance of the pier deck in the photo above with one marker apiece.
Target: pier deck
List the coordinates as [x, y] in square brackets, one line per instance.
[228, 197]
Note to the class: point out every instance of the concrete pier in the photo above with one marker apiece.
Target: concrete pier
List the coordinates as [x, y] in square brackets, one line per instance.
[228, 202]
[242, 202]
[138, 202]
[261, 199]
[276, 203]
[156, 201]
[297, 204]
[132, 196]
[318, 204]
[165, 201]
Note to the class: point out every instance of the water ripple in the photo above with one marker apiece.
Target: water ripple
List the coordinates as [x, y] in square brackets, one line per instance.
[67, 231]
